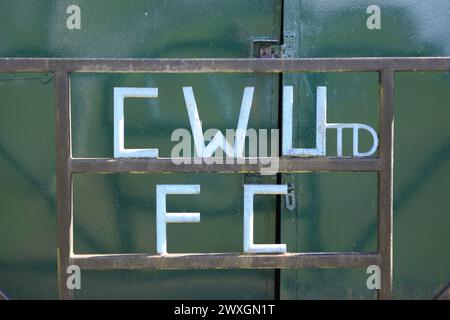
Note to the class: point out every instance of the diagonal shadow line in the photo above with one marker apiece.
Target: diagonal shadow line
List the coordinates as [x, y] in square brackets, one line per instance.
[125, 235]
[3, 296]
[414, 186]
[444, 293]
[48, 197]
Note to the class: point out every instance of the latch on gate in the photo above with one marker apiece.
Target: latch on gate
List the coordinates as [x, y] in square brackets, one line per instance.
[290, 197]
[267, 48]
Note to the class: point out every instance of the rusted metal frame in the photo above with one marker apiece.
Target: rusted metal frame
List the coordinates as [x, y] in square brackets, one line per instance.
[63, 180]
[113, 65]
[161, 165]
[385, 181]
[65, 165]
[226, 261]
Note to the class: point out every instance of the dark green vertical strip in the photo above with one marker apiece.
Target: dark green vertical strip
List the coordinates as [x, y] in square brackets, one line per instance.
[288, 220]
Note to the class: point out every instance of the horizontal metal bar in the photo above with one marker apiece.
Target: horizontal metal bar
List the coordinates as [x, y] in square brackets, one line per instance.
[167, 165]
[226, 261]
[224, 65]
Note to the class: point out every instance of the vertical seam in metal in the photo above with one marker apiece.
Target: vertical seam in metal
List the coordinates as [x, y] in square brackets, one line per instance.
[278, 211]
[385, 181]
[288, 39]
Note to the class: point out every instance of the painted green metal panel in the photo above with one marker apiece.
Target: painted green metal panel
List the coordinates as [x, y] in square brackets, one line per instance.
[123, 217]
[116, 213]
[326, 28]
[27, 186]
[137, 28]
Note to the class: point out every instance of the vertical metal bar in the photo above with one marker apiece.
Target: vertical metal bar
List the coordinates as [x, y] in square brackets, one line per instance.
[385, 181]
[63, 181]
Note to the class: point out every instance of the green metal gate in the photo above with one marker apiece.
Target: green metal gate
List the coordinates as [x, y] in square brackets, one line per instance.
[334, 217]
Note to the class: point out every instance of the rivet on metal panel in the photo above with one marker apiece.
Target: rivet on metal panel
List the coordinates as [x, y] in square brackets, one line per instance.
[289, 46]
[291, 28]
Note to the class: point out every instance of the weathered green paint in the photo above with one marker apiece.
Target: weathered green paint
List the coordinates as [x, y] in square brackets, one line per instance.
[115, 213]
[27, 186]
[338, 212]
[121, 216]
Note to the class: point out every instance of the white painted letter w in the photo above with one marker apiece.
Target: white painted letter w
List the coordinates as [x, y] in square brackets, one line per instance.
[219, 139]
